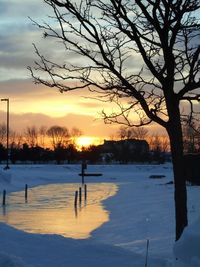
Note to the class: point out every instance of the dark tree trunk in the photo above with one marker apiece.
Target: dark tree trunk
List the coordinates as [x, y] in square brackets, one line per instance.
[180, 193]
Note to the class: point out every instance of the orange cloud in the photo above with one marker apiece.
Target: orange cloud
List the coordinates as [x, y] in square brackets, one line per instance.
[39, 105]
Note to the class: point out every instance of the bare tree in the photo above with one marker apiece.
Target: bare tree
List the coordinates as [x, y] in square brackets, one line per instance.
[142, 55]
[42, 135]
[160, 143]
[122, 133]
[3, 131]
[31, 136]
[191, 135]
[75, 133]
[59, 136]
[139, 133]
[16, 139]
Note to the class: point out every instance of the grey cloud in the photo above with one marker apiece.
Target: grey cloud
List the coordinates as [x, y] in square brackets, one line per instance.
[15, 9]
[17, 51]
[17, 33]
[15, 61]
[18, 89]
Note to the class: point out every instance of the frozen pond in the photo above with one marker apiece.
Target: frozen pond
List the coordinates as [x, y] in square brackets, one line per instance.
[50, 209]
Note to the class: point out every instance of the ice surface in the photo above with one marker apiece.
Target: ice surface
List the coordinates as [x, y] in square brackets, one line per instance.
[142, 209]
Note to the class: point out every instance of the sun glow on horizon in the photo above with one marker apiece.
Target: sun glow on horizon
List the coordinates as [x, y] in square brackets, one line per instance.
[86, 141]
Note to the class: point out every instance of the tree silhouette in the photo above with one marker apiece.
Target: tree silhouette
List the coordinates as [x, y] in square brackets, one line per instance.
[142, 55]
[31, 136]
[2, 133]
[191, 136]
[139, 133]
[59, 136]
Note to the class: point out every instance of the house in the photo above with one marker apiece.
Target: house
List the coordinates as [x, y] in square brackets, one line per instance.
[124, 151]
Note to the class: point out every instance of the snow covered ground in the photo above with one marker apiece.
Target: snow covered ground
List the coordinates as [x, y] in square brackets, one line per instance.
[142, 209]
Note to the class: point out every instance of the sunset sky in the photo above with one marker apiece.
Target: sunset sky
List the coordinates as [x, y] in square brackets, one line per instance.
[32, 104]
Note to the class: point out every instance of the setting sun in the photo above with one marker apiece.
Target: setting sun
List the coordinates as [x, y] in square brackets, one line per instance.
[86, 141]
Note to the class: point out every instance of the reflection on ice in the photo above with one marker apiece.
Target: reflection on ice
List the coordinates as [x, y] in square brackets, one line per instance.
[50, 209]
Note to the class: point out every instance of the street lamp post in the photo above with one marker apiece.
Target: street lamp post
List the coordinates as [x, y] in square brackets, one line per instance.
[7, 142]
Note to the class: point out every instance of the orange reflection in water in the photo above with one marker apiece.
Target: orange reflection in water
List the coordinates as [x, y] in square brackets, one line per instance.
[50, 210]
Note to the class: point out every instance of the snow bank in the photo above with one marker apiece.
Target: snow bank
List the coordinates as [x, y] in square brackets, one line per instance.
[5, 177]
[7, 260]
[53, 250]
[187, 249]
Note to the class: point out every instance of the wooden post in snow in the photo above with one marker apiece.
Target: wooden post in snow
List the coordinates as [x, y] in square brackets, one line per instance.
[147, 250]
[80, 195]
[4, 198]
[26, 192]
[85, 192]
[75, 199]
[83, 168]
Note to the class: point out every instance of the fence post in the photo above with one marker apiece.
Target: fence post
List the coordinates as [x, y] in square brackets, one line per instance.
[80, 195]
[85, 192]
[26, 192]
[75, 199]
[83, 168]
[4, 198]
[147, 250]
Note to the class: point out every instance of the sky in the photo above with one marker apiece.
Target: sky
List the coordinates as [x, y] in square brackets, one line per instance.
[32, 104]
[39, 105]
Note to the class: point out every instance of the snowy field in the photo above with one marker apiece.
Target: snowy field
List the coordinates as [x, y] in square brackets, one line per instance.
[142, 209]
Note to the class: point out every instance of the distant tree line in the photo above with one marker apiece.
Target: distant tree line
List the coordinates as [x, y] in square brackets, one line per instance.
[41, 145]
[59, 144]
